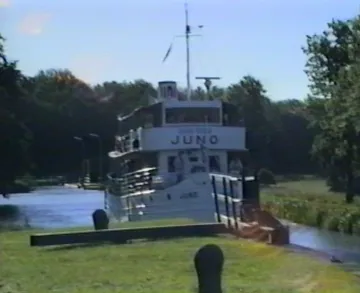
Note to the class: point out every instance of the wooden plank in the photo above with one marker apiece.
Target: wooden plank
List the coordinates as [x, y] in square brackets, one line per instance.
[123, 235]
[265, 228]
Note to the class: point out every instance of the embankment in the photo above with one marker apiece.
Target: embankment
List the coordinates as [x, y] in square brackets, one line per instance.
[28, 184]
[325, 212]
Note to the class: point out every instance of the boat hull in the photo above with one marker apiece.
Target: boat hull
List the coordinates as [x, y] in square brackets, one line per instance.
[193, 198]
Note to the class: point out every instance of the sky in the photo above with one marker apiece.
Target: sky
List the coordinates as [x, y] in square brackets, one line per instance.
[127, 39]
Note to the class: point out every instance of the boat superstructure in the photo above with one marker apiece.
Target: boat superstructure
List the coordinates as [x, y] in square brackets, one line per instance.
[165, 152]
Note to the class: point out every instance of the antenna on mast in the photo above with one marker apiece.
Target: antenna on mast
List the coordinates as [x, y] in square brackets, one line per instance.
[207, 83]
[187, 35]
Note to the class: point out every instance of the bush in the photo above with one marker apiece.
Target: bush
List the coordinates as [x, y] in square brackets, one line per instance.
[266, 177]
[356, 227]
[20, 186]
[9, 212]
[51, 181]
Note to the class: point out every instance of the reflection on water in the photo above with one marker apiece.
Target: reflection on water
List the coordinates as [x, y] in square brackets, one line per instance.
[59, 207]
[344, 247]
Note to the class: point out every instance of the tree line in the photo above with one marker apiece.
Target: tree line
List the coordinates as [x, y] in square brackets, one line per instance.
[40, 115]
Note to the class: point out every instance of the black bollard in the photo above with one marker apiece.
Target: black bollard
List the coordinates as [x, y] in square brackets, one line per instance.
[334, 259]
[209, 261]
[100, 220]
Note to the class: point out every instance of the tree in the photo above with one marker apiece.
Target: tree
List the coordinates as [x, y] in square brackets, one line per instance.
[331, 68]
[250, 97]
[15, 136]
[290, 137]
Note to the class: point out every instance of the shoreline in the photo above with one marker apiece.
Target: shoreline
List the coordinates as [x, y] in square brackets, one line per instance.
[352, 268]
[299, 249]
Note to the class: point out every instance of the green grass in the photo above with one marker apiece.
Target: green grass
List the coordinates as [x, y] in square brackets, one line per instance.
[162, 266]
[307, 189]
[316, 186]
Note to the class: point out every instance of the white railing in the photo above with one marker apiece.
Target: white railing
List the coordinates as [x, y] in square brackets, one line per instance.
[132, 182]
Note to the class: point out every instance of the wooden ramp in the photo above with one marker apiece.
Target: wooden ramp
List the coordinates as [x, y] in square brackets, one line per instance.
[259, 230]
[123, 235]
[241, 211]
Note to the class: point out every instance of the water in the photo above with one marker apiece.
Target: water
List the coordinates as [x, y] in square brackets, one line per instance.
[58, 207]
[344, 247]
[62, 207]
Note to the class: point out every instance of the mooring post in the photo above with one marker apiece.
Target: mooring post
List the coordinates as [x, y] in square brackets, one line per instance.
[233, 204]
[216, 199]
[100, 220]
[209, 262]
[225, 192]
[257, 189]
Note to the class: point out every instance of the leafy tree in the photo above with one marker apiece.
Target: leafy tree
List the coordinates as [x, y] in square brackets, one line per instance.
[331, 68]
[250, 97]
[15, 136]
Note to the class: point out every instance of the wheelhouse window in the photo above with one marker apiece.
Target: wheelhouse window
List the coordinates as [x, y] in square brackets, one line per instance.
[192, 115]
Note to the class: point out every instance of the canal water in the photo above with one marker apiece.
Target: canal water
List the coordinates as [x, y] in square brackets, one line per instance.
[62, 207]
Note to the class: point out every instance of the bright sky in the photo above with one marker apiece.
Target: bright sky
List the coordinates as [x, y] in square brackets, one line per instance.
[127, 39]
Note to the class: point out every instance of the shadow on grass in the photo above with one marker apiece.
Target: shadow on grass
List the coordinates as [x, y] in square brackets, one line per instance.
[13, 227]
[67, 247]
[83, 245]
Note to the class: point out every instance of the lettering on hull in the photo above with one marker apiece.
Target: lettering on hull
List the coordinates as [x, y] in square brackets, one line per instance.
[189, 195]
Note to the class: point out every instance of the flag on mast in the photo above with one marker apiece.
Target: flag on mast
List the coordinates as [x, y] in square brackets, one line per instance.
[167, 53]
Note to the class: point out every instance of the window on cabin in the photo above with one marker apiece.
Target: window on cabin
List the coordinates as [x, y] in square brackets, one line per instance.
[192, 115]
[176, 163]
[170, 91]
[171, 165]
[214, 163]
[149, 121]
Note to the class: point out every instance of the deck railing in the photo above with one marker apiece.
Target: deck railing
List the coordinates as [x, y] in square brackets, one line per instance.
[132, 182]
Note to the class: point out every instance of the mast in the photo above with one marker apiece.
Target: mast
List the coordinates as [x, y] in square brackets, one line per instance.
[187, 37]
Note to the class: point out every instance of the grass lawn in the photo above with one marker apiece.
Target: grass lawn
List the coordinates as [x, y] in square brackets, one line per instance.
[308, 187]
[162, 266]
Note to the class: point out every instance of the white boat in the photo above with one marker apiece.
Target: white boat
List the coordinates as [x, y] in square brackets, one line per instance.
[166, 152]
